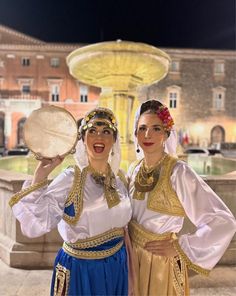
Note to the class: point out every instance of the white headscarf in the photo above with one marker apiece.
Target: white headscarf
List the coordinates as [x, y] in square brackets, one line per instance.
[170, 144]
[81, 155]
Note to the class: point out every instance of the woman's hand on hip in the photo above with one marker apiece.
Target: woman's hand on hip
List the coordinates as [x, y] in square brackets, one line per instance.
[161, 248]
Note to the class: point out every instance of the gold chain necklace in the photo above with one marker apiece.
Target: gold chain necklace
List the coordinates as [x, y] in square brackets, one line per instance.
[99, 177]
[146, 179]
[108, 181]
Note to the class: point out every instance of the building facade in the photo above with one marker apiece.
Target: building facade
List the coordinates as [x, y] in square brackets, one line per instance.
[200, 89]
[33, 74]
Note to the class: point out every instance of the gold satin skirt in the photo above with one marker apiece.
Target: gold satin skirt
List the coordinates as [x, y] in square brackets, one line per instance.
[156, 275]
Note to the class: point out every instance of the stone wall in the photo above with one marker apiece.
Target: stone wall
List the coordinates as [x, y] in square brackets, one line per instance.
[17, 250]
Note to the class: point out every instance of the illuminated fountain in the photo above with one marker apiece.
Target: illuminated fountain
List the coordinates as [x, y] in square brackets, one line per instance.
[119, 68]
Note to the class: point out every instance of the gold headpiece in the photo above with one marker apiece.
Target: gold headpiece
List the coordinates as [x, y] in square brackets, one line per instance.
[105, 114]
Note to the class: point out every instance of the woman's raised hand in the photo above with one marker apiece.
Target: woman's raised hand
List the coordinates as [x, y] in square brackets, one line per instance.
[45, 167]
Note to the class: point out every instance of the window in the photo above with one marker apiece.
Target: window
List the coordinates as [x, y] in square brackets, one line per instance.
[218, 102]
[83, 93]
[55, 62]
[25, 89]
[54, 87]
[55, 93]
[174, 67]
[173, 96]
[219, 98]
[219, 68]
[173, 100]
[25, 62]
[25, 85]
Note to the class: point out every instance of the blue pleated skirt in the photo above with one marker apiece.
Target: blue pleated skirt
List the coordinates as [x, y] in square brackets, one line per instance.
[108, 276]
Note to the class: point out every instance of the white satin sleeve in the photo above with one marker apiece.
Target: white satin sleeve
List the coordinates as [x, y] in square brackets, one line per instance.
[215, 223]
[41, 210]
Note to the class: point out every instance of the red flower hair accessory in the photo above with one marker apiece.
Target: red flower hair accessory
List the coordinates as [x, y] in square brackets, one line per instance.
[164, 115]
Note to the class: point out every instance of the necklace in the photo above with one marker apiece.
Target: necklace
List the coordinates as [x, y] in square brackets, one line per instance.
[99, 177]
[146, 178]
[108, 181]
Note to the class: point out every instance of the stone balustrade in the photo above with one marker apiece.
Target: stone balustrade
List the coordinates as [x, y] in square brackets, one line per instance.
[17, 250]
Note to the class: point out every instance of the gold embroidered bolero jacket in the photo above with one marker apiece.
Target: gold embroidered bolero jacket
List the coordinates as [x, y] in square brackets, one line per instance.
[163, 198]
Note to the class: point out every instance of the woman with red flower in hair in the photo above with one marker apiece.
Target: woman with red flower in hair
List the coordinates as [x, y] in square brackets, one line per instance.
[163, 191]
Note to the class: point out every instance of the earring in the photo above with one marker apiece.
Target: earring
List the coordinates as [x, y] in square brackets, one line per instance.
[137, 150]
[112, 152]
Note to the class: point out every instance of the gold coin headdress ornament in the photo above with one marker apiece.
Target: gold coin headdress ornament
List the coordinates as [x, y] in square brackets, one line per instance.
[98, 116]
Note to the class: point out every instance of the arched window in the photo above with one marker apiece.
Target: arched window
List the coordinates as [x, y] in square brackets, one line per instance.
[20, 126]
[217, 135]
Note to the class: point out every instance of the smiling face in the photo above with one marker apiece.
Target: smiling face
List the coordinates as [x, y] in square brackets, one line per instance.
[150, 133]
[99, 139]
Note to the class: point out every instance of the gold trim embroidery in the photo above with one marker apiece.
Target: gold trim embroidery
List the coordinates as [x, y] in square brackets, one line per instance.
[191, 265]
[19, 195]
[141, 236]
[98, 239]
[179, 269]
[62, 279]
[163, 198]
[76, 196]
[74, 189]
[110, 191]
[123, 178]
[80, 254]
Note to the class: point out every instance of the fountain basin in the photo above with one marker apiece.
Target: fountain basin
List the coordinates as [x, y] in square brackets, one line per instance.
[202, 165]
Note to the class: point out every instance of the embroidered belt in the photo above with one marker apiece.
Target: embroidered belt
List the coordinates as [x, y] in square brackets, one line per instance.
[78, 249]
[141, 236]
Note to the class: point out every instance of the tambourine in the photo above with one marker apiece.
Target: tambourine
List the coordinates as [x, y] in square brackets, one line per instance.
[50, 131]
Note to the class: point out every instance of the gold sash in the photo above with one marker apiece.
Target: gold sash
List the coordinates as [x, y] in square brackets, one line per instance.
[78, 249]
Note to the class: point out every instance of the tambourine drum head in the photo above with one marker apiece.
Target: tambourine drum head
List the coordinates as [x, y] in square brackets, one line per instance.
[50, 131]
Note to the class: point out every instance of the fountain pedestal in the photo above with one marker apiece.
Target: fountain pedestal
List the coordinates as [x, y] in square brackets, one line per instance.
[17, 250]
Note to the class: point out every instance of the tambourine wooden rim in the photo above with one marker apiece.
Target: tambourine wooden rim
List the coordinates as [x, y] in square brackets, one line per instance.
[50, 131]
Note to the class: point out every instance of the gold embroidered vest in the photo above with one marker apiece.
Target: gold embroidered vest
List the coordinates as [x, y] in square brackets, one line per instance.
[163, 198]
[74, 202]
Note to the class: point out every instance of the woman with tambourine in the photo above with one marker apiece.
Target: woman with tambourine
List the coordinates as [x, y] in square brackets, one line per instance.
[90, 206]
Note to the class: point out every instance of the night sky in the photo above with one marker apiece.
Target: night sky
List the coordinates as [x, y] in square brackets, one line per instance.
[209, 24]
